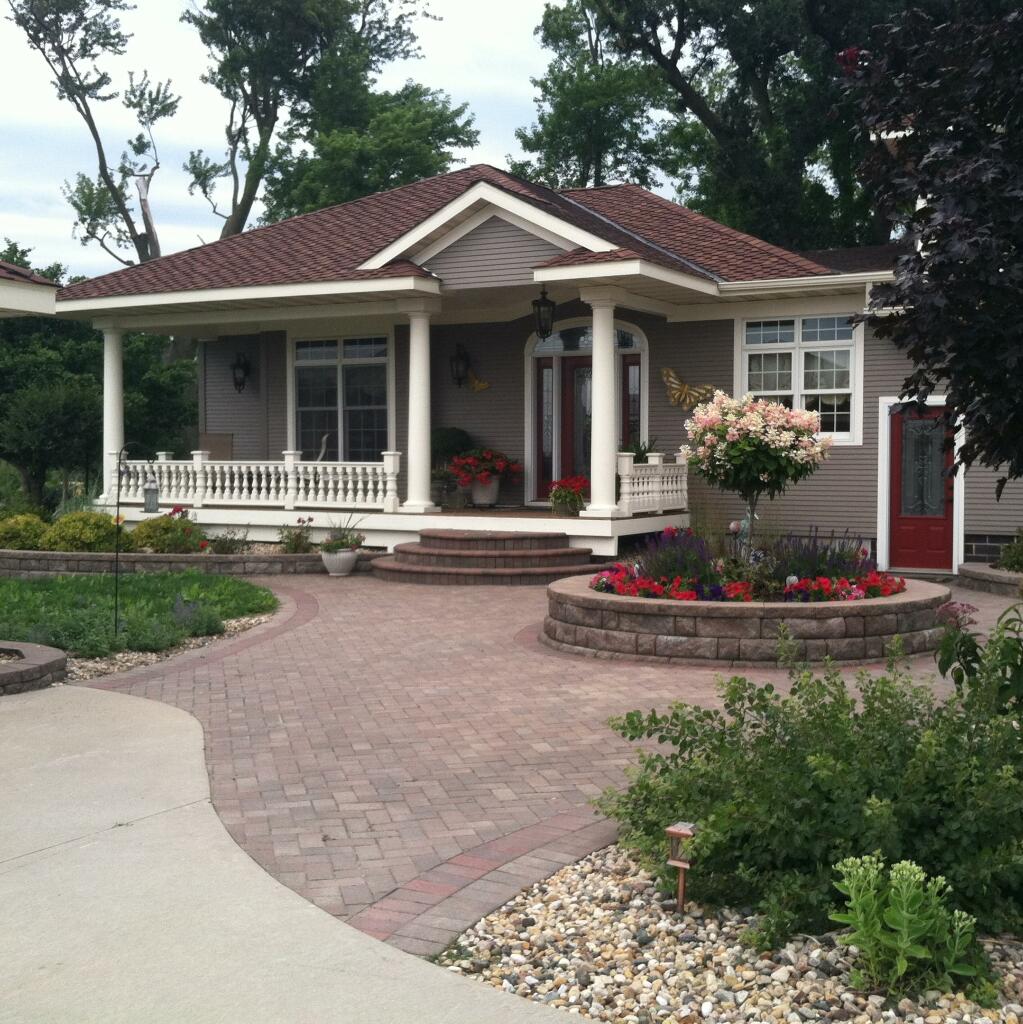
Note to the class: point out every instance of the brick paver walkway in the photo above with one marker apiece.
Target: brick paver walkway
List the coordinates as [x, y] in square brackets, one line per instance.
[409, 757]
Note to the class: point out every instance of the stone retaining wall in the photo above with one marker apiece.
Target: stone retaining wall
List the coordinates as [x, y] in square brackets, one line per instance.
[58, 563]
[33, 668]
[991, 580]
[698, 632]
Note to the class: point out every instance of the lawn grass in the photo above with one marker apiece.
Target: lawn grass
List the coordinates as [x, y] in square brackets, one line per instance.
[158, 610]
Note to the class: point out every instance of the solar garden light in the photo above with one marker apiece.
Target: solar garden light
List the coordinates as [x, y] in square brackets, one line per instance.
[676, 833]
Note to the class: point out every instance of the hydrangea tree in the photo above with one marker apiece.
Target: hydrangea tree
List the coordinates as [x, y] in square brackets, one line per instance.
[753, 447]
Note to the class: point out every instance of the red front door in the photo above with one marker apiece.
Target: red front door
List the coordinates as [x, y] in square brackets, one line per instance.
[921, 490]
[576, 395]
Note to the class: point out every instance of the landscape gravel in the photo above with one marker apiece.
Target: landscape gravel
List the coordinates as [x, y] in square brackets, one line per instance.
[93, 668]
[599, 940]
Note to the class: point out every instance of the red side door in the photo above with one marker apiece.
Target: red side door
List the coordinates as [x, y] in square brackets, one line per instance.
[921, 512]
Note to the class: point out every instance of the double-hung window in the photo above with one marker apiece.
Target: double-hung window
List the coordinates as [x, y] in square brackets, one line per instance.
[805, 363]
[341, 398]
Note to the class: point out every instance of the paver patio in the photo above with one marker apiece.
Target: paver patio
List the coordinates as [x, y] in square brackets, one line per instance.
[409, 757]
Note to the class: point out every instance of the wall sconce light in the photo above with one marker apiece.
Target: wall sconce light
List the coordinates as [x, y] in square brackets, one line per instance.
[240, 370]
[459, 366]
[543, 315]
[676, 834]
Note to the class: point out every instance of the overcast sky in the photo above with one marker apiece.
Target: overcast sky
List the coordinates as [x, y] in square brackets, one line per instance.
[482, 52]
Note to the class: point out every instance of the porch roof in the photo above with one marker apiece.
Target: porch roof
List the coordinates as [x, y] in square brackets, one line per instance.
[24, 292]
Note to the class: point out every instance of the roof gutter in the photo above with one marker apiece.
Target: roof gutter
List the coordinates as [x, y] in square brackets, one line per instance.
[822, 282]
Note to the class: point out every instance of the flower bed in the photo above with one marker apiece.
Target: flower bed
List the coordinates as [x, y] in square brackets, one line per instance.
[739, 631]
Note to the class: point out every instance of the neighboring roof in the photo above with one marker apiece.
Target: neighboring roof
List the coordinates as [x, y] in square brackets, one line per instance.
[728, 254]
[12, 272]
[331, 244]
[860, 259]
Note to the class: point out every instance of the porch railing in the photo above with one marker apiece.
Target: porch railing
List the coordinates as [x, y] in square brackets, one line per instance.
[288, 484]
[651, 486]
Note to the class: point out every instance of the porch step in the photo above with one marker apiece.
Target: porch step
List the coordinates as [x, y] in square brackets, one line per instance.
[486, 557]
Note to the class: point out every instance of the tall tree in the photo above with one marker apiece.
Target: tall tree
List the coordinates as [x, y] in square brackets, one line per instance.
[595, 112]
[74, 37]
[269, 58]
[390, 139]
[945, 94]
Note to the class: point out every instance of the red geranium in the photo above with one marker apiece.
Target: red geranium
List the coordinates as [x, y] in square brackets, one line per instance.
[482, 465]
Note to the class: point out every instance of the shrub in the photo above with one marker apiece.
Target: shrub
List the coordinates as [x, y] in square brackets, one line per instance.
[998, 663]
[229, 542]
[1011, 558]
[782, 787]
[170, 534]
[675, 552]
[22, 533]
[447, 442]
[297, 539]
[908, 937]
[84, 531]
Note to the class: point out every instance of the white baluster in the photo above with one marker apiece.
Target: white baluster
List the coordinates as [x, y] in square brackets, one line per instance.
[392, 465]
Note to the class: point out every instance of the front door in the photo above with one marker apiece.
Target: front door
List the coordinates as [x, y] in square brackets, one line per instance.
[921, 490]
[576, 405]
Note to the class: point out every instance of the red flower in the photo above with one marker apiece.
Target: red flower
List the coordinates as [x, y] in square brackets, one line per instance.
[203, 545]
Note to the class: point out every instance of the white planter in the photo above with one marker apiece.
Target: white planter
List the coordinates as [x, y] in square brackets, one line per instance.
[339, 563]
[485, 495]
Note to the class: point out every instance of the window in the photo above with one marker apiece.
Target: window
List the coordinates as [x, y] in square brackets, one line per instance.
[341, 399]
[804, 362]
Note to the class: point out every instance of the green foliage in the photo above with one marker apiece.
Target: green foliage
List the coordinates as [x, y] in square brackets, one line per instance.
[229, 542]
[84, 531]
[447, 442]
[782, 787]
[297, 539]
[75, 613]
[1011, 558]
[344, 536]
[169, 535]
[22, 533]
[994, 668]
[956, 302]
[908, 936]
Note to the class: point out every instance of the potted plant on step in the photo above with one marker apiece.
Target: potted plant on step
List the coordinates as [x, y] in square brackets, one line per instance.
[567, 495]
[340, 551]
[483, 469]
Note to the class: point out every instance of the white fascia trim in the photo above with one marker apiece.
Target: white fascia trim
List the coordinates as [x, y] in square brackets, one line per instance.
[422, 256]
[420, 285]
[625, 268]
[484, 192]
[773, 284]
[760, 309]
[21, 298]
[884, 483]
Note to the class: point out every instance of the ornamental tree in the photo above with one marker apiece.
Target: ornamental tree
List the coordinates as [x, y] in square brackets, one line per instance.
[753, 447]
[944, 95]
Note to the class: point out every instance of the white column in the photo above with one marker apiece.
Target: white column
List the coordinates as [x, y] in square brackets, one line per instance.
[418, 414]
[113, 407]
[603, 408]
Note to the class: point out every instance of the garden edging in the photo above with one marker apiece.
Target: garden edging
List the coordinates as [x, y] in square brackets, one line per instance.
[21, 564]
[34, 667]
[990, 580]
[584, 621]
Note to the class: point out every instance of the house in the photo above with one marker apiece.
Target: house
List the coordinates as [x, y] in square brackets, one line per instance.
[326, 347]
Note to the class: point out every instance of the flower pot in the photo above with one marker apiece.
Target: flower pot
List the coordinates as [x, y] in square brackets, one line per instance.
[563, 508]
[485, 495]
[339, 563]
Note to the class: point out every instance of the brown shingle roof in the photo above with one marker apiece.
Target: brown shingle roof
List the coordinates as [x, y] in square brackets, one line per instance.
[725, 252]
[12, 272]
[330, 244]
[859, 259]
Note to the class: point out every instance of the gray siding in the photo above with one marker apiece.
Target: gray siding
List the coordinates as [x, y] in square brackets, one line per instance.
[494, 254]
[984, 514]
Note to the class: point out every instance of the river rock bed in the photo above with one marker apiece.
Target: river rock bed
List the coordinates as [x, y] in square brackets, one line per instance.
[599, 940]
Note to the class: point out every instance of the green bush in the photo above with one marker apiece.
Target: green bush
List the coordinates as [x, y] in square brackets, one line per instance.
[298, 539]
[158, 610]
[84, 531]
[782, 787]
[907, 936]
[447, 442]
[22, 533]
[169, 535]
[229, 542]
[1011, 557]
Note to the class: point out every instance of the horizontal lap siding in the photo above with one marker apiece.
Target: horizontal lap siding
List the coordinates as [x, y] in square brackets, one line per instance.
[275, 377]
[495, 254]
[243, 415]
[986, 515]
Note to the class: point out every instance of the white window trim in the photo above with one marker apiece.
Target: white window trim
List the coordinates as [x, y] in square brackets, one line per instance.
[740, 349]
[884, 486]
[340, 338]
[642, 348]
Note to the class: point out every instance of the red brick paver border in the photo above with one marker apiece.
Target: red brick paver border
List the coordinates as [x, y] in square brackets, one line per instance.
[410, 757]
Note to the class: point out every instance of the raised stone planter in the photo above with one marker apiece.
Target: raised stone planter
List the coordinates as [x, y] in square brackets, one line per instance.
[584, 621]
[33, 667]
[61, 563]
[991, 580]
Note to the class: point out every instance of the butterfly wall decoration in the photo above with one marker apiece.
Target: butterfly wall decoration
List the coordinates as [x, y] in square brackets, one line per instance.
[682, 394]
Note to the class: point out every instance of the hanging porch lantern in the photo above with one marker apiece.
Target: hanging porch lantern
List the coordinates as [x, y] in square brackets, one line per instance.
[240, 370]
[543, 315]
[459, 366]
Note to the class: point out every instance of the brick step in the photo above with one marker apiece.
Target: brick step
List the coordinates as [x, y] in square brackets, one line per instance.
[391, 567]
[492, 540]
[528, 558]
